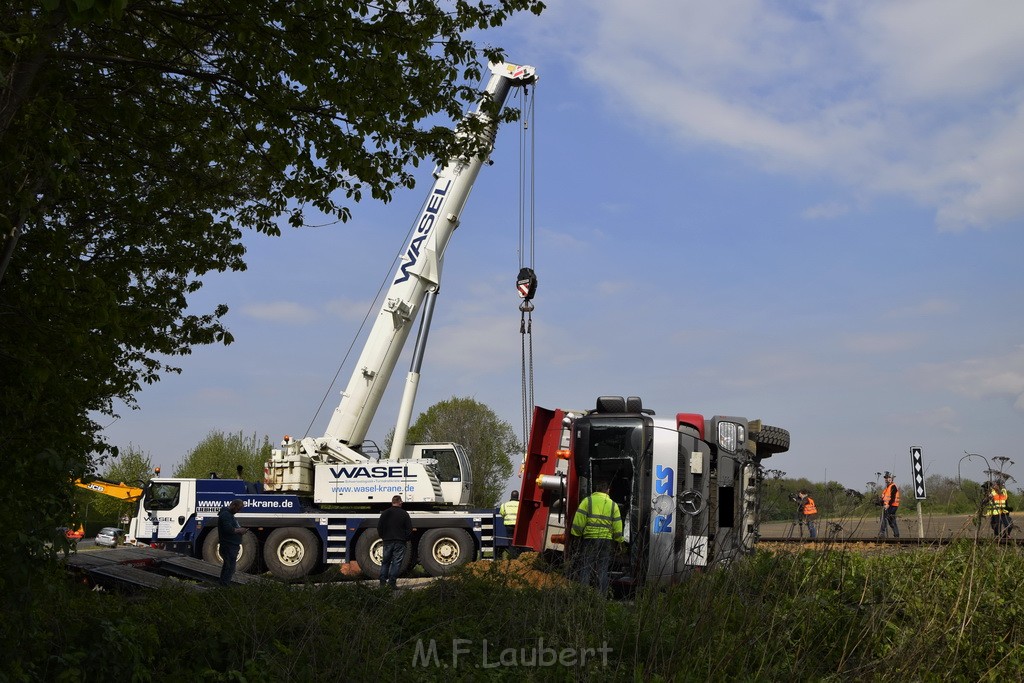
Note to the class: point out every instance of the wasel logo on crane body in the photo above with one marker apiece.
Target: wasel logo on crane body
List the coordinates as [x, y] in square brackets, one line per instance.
[423, 228]
[375, 472]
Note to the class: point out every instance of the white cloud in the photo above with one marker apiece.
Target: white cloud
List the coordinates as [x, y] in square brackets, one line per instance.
[283, 312]
[476, 345]
[606, 287]
[881, 343]
[559, 240]
[919, 99]
[349, 310]
[944, 49]
[929, 307]
[825, 211]
[943, 419]
[981, 378]
[217, 395]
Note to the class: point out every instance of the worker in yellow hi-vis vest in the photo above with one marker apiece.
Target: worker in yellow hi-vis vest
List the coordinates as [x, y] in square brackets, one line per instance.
[598, 525]
[509, 510]
[996, 509]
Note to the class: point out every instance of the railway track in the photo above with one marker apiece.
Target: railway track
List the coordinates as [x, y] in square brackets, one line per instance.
[825, 542]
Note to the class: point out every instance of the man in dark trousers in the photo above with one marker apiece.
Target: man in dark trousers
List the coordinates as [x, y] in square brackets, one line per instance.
[230, 533]
[395, 529]
[890, 506]
[598, 525]
[508, 511]
[808, 511]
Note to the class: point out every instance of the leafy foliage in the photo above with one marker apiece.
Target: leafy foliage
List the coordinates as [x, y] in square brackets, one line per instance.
[948, 614]
[37, 502]
[221, 454]
[490, 442]
[139, 139]
[945, 496]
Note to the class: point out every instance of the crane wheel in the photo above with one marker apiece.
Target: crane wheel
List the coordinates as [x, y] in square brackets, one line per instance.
[291, 552]
[442, 550]
[247, 555]
[370, 552]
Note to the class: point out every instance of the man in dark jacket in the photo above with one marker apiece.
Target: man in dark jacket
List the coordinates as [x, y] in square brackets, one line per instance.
[395, 529]
[230, 534]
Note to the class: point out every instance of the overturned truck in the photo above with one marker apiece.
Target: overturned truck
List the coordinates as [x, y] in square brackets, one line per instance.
[688, 487]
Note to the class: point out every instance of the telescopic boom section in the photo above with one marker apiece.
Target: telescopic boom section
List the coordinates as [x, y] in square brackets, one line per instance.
[418, 273]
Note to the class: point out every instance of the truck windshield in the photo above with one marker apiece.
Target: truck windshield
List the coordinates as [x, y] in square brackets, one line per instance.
[162, 496]
[615, 438]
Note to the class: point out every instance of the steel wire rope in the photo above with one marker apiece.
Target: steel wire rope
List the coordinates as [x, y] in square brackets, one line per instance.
[527, 217]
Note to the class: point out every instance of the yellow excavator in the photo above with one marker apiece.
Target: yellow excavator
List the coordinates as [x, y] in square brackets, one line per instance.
[125, 492]
[129, 493]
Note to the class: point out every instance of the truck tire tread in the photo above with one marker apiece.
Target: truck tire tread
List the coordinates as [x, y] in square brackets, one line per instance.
[771, 440]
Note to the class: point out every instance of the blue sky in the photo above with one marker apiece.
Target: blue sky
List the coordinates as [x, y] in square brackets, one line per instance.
[812, 215]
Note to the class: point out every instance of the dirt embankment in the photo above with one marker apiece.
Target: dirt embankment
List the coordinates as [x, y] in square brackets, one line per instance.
[524, 571]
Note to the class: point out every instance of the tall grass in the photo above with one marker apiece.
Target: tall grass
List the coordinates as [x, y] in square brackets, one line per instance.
[823, 614]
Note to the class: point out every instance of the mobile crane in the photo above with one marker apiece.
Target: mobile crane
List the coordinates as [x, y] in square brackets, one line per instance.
[687, 486]
[291, 531]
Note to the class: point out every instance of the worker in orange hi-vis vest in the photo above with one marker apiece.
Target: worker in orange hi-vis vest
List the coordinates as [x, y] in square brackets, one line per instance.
[890, 504]
[808, 511]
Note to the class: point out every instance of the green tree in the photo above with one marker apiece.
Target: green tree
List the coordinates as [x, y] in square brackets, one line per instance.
[490, 442]
[137, 141]
[222, 454]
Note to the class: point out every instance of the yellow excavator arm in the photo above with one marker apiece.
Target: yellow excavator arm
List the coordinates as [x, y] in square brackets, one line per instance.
[123, 491]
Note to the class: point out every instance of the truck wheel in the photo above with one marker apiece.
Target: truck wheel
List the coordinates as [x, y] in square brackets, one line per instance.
[442, 550]
[246, 555]
[370, 553]
[291, 552]
[771, 440]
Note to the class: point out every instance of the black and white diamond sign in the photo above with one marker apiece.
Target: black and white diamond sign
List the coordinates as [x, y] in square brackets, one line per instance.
[917, 467]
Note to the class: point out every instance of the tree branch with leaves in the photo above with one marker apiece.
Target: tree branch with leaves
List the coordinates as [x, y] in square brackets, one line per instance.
[139, 139]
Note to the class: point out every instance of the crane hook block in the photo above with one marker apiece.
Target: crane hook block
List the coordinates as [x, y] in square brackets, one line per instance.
[526, 283]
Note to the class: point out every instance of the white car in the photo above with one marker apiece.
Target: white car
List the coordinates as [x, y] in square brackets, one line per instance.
[110, 536]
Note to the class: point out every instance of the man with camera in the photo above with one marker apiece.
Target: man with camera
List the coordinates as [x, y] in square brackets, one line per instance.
[807, 511]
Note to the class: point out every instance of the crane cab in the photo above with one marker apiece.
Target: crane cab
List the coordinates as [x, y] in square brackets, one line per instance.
[454, 472]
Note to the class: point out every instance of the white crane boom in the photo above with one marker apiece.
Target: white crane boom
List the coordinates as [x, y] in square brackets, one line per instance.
[333, 467]
[418, 273]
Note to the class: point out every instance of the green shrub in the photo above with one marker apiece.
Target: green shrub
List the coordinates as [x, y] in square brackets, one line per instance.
[919, 614]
